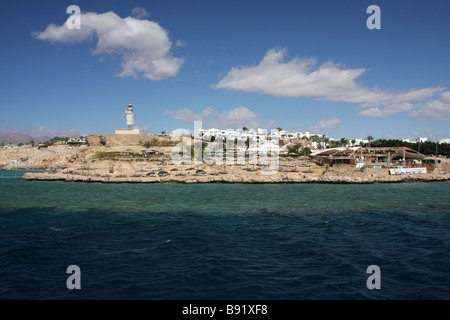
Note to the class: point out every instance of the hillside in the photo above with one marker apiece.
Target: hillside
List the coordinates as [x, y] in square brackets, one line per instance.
[115, 140]
[16, 138]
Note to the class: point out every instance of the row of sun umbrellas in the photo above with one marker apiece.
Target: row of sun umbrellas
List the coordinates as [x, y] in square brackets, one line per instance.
[164, 173]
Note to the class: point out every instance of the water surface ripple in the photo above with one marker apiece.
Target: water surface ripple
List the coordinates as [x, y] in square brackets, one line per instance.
[224, 241]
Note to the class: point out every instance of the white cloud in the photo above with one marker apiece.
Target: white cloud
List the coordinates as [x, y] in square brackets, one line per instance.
[435, 109]
[235, 118]
[180, 43]
[328, 124]
[388, 110]
[139, 13]
[145, 129]
[301, 78]
[144, 44]
[188, 115]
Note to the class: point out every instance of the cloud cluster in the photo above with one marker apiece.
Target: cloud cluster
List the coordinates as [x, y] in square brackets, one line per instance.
[180, 43]
[139, 13]
[235, 118]
[188, 115]
[144, 44]
[144, 129]
[435, 109]
[387, 111]
[300, 77]
[324, 125]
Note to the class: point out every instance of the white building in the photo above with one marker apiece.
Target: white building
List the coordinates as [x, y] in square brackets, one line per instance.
[77, 140]
[359, 142]
[420, 139]
[129, 114]
[241, 134]
[447, 140]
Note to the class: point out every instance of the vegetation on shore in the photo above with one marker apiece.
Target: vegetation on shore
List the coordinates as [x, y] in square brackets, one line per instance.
[426, 148]
[154, 142]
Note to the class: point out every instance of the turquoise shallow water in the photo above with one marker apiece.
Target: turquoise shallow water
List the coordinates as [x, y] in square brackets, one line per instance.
[224, 241]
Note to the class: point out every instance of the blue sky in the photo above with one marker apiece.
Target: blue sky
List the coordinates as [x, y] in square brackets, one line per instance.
[299, 65]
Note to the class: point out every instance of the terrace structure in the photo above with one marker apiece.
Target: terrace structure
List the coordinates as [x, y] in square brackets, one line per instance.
[394, 155]
[338, 156]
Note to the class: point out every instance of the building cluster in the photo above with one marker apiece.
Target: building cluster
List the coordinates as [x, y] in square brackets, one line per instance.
[15, 146]
[311, 140]
[250, 133]
[69, 141]
[80, 140]
[418, 140]
[425, 139]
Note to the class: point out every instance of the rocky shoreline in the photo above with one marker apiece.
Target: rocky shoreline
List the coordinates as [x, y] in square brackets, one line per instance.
[329, 177]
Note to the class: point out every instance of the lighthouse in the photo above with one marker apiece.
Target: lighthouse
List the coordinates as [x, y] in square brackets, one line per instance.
[130, 116]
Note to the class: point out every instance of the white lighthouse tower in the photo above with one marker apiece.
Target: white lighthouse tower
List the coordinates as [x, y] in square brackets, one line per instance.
[129, 113]
[130, 116]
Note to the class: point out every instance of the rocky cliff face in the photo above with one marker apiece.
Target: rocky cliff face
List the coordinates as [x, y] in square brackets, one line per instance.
[245, 178]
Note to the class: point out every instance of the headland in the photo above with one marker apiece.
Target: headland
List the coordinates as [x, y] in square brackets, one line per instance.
[147, 159]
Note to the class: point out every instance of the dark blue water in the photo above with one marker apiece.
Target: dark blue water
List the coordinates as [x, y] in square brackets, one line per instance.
[224, 241]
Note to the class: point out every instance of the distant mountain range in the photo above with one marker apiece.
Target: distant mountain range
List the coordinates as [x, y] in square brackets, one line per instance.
[16, 138]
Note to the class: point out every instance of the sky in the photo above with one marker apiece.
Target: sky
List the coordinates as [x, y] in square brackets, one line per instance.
[299, 65]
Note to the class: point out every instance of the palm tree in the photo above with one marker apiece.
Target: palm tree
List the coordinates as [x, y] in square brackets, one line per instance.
[245, 129]
[370, 138]
[344, 141]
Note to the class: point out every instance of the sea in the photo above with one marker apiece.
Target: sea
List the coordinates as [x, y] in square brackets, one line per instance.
[223, 241]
